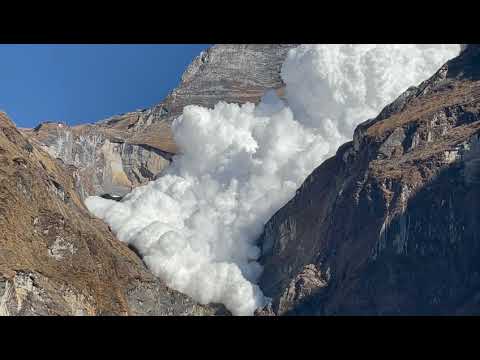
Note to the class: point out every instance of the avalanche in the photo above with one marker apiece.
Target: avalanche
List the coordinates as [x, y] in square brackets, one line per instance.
[196, 226]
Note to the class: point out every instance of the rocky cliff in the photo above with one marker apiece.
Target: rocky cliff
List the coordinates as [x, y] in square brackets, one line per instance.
[105, 161]
[55, 259]
[390, 225]
[121, 152]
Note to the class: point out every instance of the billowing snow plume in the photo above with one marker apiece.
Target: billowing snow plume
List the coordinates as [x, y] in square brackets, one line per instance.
[196, 225]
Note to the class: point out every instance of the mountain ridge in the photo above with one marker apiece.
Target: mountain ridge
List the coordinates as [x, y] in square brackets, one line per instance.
[116, 154]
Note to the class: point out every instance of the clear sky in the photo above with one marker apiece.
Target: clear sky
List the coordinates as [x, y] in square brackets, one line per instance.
[86, 83]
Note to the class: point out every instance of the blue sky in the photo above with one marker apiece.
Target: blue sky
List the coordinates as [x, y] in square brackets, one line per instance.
[86, 83]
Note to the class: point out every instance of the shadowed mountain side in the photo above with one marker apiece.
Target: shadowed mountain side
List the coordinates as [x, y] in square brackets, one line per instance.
[390, 224]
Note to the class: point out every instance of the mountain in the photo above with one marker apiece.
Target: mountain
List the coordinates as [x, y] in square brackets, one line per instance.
[124, 151]
[56, 259]
[389, 225]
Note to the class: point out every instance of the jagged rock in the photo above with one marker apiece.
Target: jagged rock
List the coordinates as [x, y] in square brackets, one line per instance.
[303, 286]
[231, 73]
[56, 259]
[394, 216]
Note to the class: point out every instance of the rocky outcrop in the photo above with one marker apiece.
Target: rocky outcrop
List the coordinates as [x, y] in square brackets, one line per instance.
[105, 162]
[390, 224]
[55, 259]
[231, 73]
[124, 151]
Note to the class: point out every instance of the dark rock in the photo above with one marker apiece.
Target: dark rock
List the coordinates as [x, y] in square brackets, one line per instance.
[393, 218]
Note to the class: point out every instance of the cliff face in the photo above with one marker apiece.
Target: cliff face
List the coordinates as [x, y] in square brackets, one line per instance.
[124, 151]
[105, 162]
[230, 73]
[390, 224]
[55, 259]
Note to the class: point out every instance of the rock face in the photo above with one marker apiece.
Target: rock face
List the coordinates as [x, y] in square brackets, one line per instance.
[232, 73]
[55, 259]
[124, 151]
[105, 162]
[390, 225]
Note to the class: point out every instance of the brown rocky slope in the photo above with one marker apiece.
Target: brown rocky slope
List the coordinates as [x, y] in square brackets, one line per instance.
[390, 225]
[55, 259]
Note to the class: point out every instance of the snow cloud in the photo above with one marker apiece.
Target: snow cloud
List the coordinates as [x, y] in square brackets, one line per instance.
[196, 226]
